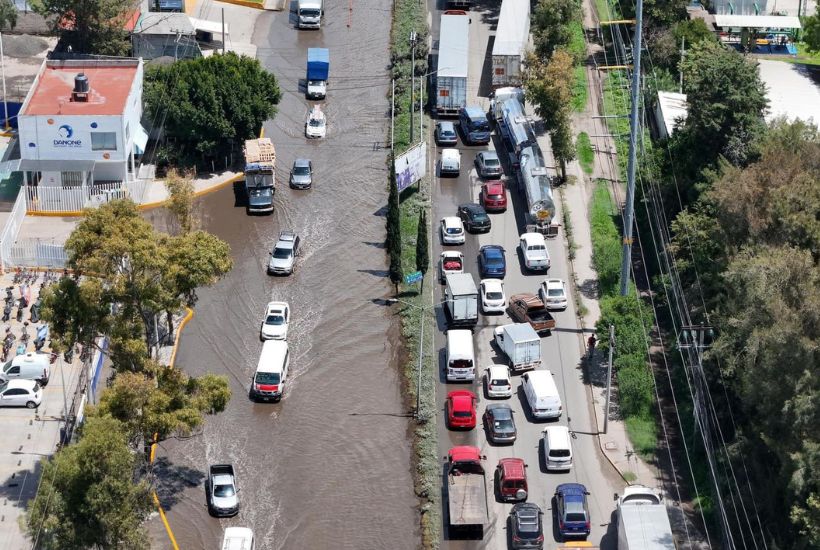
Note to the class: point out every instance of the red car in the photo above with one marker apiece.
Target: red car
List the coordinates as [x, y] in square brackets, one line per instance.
[460, 408]
[494, 196]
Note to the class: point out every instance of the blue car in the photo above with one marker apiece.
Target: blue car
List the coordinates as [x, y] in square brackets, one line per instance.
[572, 510]
[491, 262]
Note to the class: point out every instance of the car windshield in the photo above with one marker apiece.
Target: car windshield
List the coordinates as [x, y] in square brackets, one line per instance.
[462, 414]
[309, 12]
[536, 248]
[479, 215]
[316, 123]
[491, 162]
[494, 295]
[555, 292]
[576, 517]
[260, 191]
[575, 511]
[559, 453]
[281, 253]
[224, 491]
[495, 196]
[267, 378]
[515, 484]
[275, 319]
[301, 171]
[480, 125]
[453, 230]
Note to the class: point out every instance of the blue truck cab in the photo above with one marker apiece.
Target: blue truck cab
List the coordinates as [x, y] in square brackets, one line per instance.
[475, 127]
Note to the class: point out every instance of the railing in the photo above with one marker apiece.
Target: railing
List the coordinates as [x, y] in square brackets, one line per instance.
[37, 253]
[41, 198]
[9, 235]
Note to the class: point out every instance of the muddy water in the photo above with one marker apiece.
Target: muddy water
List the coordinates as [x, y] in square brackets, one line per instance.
[329, 466]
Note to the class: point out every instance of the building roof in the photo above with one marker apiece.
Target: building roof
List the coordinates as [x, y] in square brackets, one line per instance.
[757, 21]
[673, 109]
[110, 82]
[164, 23]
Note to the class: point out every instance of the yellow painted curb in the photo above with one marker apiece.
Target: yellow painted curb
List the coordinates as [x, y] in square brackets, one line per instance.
[255, 5]
[188, 315]
[57, 214]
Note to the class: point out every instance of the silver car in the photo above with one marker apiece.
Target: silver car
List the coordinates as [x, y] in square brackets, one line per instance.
[301, 175]
[488, 165]
[283, 255]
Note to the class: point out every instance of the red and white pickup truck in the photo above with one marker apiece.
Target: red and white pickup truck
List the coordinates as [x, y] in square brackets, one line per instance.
[450, 262]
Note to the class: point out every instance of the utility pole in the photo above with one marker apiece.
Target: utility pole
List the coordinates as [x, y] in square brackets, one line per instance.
[633, 149]
[392, 112]
[609, 376]
[223, 31]
[413, 38]
[682, 53]
[421, 109]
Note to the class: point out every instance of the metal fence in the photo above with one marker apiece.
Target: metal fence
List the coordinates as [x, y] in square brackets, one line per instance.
[40, 198]
[37, 253]
[12, 228]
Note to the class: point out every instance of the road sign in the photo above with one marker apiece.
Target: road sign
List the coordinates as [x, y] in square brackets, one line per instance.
[414, 277]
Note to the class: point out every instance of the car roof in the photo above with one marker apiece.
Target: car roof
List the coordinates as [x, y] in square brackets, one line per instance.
[446, 125]
[499, 368]
[554, 282]
[474, 111]
[494, 185]
[572, 491]
[489, 154]
[301, 162]
[492, 248]
[498, 407]
[530, 237]
[276, 306]
[489, 283]
[19, 383]
[513, 468]
[451, 221]
[472, 206]
[450, 152]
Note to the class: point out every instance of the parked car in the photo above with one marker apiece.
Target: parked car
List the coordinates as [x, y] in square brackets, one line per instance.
[491, 261]
[572, 510]
[528, 308]
[553, 293]
[534, 250]
[316, 124]
[511, 480]
[461, 409]
[450, 162]
[221, 491]
[19, 392]
[488, 165]
[446, 133]
[494, 196]
[475, 217]
[497, 381]
[450, 261]
[301, 175]
[498, 420]
[452, 230]
[283, 255]
[526, 529]
[275, 323]
[493, 299]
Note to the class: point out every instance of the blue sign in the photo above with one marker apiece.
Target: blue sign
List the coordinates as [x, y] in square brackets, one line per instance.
[414, 277]
[65, 133]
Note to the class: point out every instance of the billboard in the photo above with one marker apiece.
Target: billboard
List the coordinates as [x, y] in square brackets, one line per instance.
[411, 166]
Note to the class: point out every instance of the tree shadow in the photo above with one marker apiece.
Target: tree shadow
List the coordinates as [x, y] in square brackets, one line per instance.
[172, 480]
[590, 289]
[381, 273]
[21, 486]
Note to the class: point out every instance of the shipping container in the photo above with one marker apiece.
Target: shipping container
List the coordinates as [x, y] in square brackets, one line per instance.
[453, 59]
[511, 39]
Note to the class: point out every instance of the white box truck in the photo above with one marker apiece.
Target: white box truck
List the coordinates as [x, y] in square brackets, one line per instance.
[511, 39]
[521, 344]
[461, 300]
[643, 523]
[309, 14]
[453, 59]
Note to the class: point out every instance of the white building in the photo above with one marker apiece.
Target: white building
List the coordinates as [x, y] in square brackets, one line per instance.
[80, 123]
[670, 112]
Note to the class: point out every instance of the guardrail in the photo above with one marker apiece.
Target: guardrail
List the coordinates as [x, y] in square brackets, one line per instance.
[9, 235]
[37, 253]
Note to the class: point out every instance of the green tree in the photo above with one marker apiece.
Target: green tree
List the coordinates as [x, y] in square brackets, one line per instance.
[726, 100]
[551, 27]
[8, 14]
[811, 30]
[90, 26]
[181, 203]
[164, 402]
[210, 105]
[88, 497]
[422, 246]
[393, 227]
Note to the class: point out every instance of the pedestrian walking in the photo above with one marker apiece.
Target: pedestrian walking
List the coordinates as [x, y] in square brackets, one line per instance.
[591, 345]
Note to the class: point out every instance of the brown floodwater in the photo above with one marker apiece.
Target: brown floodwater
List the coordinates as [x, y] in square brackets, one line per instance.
[329, 466]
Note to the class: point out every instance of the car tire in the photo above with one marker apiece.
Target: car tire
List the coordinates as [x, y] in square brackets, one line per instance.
[31, 405]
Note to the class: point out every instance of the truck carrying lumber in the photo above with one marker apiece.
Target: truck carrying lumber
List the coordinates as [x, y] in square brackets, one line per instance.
[260, 165]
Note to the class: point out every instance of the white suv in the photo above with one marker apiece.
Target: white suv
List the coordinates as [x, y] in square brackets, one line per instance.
[534, 250]
[553, 293]
[275, 323]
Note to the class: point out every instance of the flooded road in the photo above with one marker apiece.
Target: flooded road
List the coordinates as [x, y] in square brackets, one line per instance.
[329, 466]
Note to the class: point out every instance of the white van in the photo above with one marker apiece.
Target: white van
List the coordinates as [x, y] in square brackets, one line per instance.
[450, 162]
[460, 356]
[30, 366]
[557, 446]
[237, 538]
[542, 394]
[272, 371]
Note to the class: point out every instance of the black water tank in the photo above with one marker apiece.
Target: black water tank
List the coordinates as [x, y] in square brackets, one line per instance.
[81, 84]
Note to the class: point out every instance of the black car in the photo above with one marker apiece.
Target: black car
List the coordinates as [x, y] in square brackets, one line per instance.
[498, 419]
[491, 262]
[475, 218]
[526, 529]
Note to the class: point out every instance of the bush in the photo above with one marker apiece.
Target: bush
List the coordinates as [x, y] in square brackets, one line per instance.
[606, 241]
[635, 385]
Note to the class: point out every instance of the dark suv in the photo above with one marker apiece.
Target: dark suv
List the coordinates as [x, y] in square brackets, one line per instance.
[525, 526]
[474, 125]
[474, 217]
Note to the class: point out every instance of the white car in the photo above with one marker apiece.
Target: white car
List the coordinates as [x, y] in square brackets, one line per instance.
[316, 125]
[450, 162]
[497, 381]
[21, 393]
[534, 249]
[451, 261]
[452, 230]
[275, 323]
[493, 299]
[553, 293]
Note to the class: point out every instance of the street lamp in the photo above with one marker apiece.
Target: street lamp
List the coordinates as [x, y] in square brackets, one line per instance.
[391, 301]
[414, 40]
